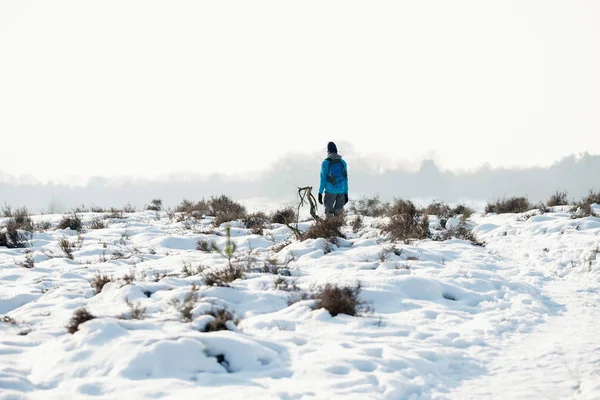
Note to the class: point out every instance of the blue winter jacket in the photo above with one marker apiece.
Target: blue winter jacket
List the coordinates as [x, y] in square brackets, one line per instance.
[328, 187]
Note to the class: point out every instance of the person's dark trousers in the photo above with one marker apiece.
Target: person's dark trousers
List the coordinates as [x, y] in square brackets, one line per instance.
[334, 203]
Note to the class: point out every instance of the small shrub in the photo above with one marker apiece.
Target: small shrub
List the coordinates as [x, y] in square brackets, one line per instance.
[116, 213]
[460, 232]
[406, 222]
[256, 222]
[12, 237]
[558, 199]
[28, 262]
[80, 209]
[191, 270]
[387, 251]
[80, 316]
[99, 281]
[221, 315]
[443, 212]
[285, 215]
[328, 228]
[340, 300]
[98, 223]
[224, 276]
[43, 226]
[118, 255]
[369, 207]
[463, 210]
[509, 205]
[439, 209]
[225, 209]
[6, 210]
[280, 246]
[271, 266]
[193, 210]
[592, 198]
[129, 277]
[159, 276]
[71, 221]
[357, 223]
[136, 311]
[129, 209]
[186, 306]
[204, 245]
[22, 219]
[155, 205]
[96, 209]
[17, 231]
[66, 246]
[281, 283]
[583, 208]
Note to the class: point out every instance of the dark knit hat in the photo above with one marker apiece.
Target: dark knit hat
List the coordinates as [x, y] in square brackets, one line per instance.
[331, 147]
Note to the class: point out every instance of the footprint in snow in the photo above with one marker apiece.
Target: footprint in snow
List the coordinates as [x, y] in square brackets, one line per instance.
[338, 370]
[364, 365]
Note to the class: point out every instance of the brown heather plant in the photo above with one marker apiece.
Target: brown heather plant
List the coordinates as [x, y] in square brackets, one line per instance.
[221, 315]
[80, 316]
[22, 219]
[204, 245]
[592, 198]
[443, 212]
[328, 228]
[17, 231]
[256, 222]
[189, 269]
[136, 311]
[225, 209]
[129, 277]
[98, 282]
[406, 222]
[224, 276]
[558, 199]
[28, 262]
[340, 299]
[193, 210]
[186, 306]
[509, 205]
[115, 213]
[12, 237]
[43, 226]
[463, 210]
[357, 223]
[285, 215]
[71, 221]
[98, 223]
[96, 209]
[583, 208]
[461, 232]
[66, 246]
[287, 285]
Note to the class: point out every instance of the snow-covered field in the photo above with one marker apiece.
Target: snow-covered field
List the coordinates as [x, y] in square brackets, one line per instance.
[518, 318]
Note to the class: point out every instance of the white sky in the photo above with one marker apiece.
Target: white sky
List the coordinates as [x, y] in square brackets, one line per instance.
[145, 87]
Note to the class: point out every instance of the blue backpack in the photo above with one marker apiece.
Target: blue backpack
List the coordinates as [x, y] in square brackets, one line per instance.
[337, 173]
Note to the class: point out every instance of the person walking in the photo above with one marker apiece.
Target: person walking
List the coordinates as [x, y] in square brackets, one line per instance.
[333, 181]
